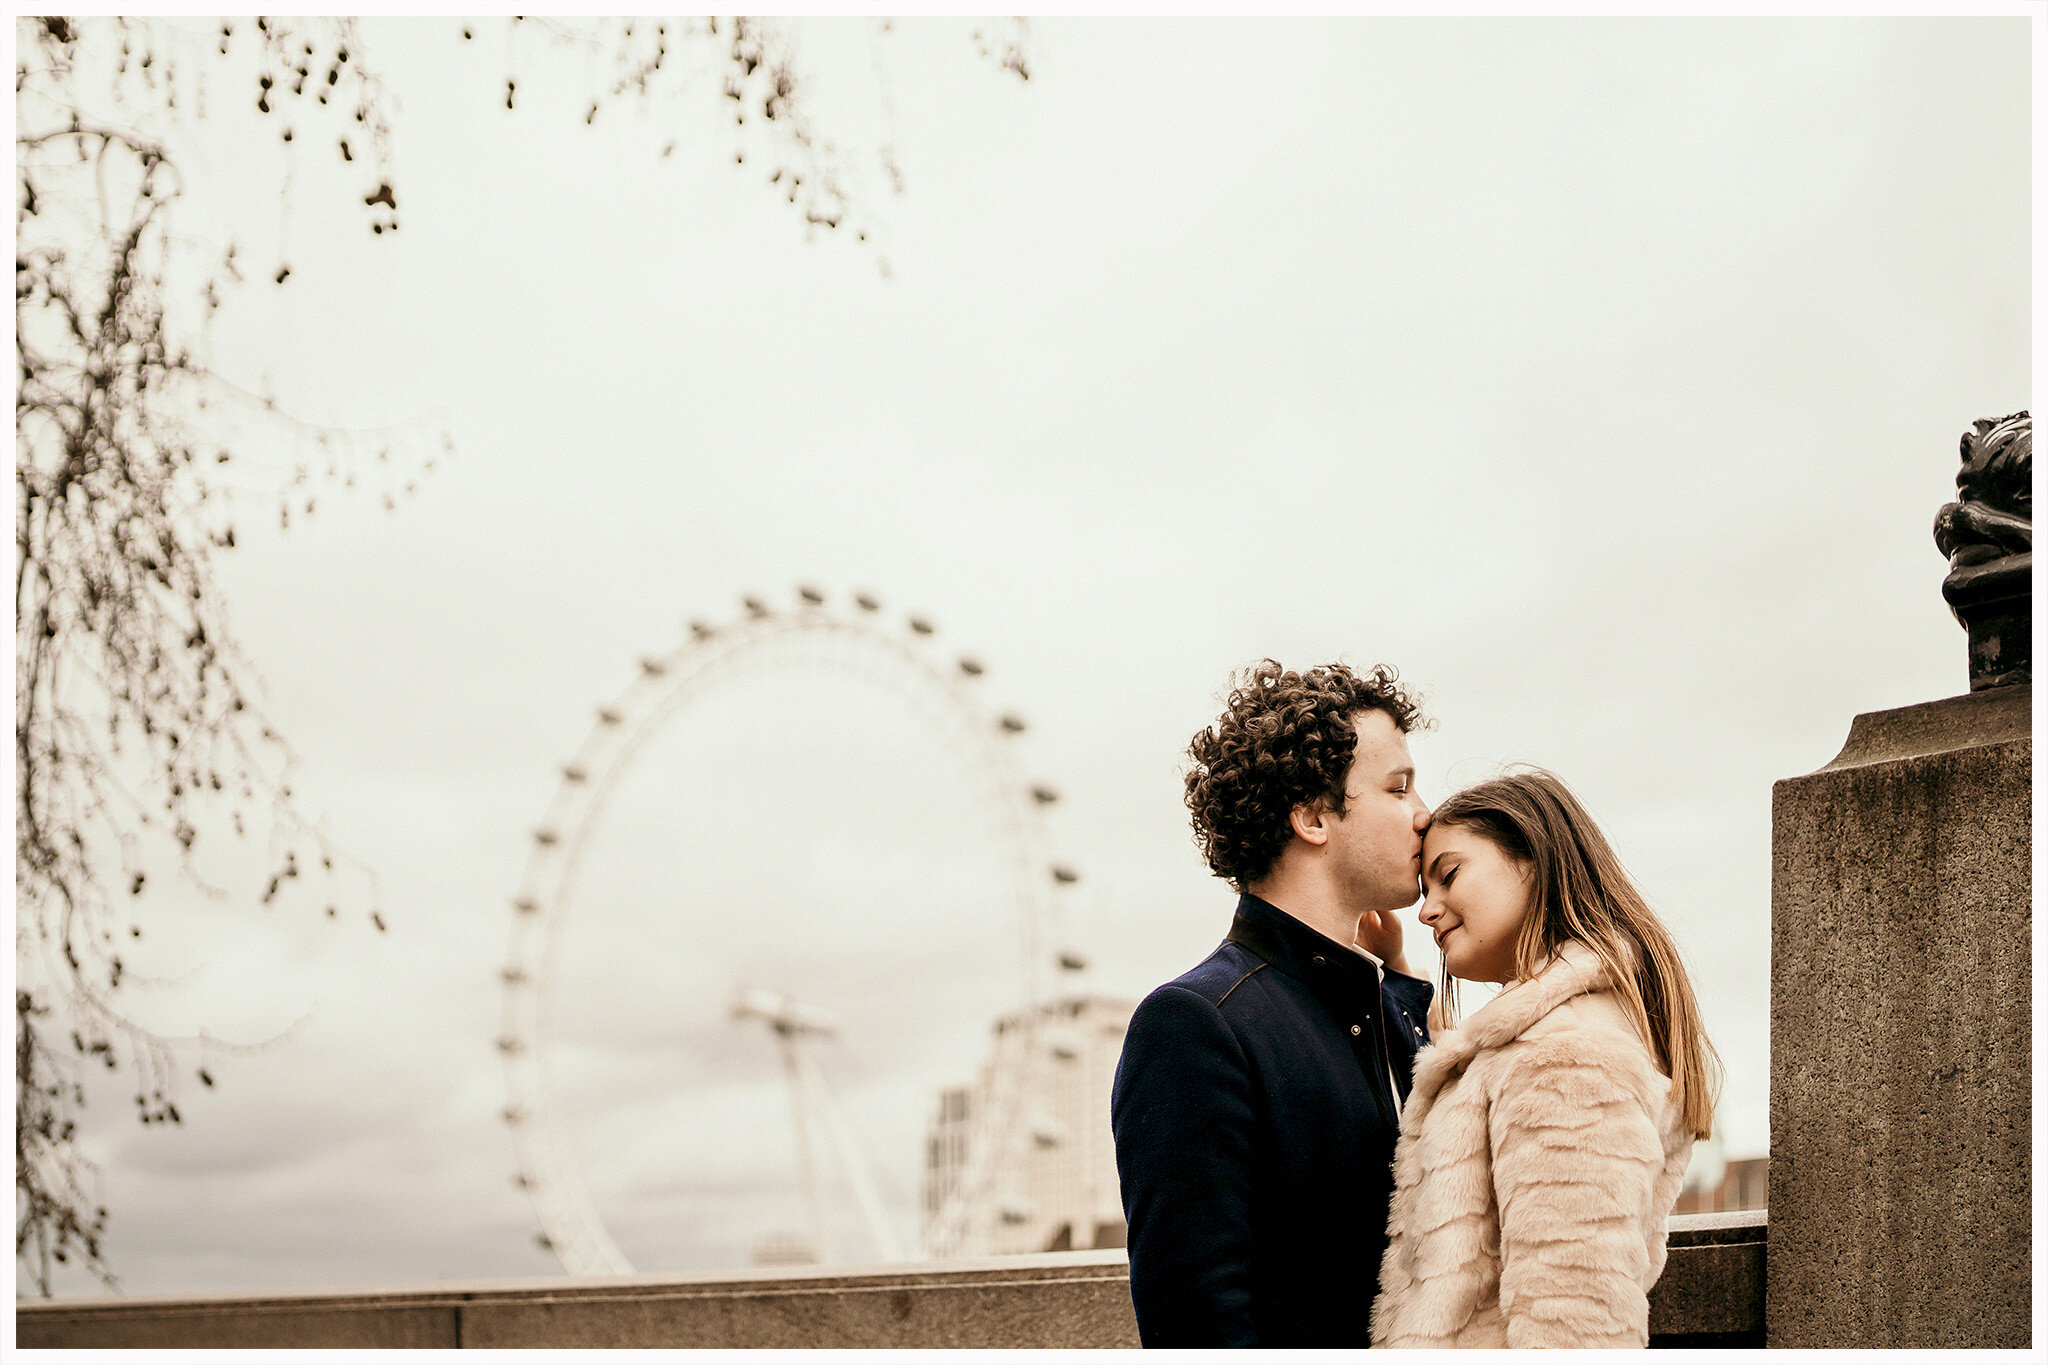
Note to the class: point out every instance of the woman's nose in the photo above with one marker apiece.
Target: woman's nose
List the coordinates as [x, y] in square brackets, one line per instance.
[1430, 910]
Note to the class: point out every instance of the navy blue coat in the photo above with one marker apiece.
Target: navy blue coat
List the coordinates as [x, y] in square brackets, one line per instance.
[1255, 1124]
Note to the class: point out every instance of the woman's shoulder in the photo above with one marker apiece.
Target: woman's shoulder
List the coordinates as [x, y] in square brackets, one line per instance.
[1596, 1014]
[1587, 1033]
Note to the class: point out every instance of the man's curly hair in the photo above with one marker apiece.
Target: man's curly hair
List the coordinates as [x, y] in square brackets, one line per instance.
[1284, 739]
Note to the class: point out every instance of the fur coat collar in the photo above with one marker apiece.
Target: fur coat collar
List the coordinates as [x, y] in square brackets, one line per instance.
[1576, 970]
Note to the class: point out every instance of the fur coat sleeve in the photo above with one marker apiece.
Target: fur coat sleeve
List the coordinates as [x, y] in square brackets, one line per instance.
[1576, 1159]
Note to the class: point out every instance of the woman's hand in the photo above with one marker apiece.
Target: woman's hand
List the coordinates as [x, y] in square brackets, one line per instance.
[1379, 933]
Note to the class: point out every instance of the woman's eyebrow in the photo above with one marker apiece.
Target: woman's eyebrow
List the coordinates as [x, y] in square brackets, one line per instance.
[1437, 859]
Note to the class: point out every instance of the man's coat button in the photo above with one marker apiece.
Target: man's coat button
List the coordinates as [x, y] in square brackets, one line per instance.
[1356, 1030]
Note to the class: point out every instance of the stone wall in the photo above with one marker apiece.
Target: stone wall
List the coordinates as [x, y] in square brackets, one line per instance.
[1711, 1294]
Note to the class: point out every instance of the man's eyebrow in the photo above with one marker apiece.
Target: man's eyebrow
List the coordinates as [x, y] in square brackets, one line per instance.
[1408, 773]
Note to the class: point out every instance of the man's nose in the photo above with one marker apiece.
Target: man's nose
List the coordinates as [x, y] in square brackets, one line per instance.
[1421, 815]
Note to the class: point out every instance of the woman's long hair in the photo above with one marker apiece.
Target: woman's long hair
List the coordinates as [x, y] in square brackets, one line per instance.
[1581, 894]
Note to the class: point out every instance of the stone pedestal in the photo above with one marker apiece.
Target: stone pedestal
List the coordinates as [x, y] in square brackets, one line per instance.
[1901, 934]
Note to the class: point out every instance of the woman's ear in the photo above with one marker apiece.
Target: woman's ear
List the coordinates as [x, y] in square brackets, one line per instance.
[1311, 822]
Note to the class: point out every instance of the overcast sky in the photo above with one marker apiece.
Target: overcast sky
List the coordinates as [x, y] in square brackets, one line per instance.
[1604, 376]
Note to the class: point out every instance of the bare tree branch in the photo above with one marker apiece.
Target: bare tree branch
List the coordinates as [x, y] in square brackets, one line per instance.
[136, 718]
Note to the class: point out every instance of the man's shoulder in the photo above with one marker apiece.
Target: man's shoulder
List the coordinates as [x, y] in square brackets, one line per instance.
[1197, 1025]
[1214, 979]
[1233, 991]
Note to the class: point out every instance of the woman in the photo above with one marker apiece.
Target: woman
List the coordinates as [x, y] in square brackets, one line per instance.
[1545, 1138]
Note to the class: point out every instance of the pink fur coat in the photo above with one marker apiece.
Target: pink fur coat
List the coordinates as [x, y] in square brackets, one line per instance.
[1539, 1156]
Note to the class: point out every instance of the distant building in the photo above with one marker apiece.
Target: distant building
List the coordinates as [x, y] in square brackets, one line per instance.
[782, 1248]
[1022, 1160]
[1743, 1185]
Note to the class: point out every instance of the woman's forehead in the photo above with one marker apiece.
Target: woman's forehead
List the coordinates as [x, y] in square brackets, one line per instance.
[1440, 837]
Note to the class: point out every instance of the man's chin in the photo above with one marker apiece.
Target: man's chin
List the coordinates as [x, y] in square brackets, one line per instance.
[1393, 899]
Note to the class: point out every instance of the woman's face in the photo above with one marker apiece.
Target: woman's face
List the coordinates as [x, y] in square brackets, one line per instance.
[1474, 899]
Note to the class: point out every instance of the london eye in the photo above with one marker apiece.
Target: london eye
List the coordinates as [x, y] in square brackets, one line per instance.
[815, 797]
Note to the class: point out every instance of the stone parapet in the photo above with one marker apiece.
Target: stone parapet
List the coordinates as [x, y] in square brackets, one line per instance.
[1711, 1294]
[1712, 1290]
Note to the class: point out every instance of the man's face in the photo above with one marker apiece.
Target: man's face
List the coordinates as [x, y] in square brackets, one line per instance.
[1376, 845]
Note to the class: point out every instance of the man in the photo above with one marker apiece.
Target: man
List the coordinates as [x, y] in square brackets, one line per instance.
[1258, 1097]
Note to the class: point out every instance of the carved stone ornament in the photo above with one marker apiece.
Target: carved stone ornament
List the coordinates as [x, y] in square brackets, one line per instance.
[1988, 536]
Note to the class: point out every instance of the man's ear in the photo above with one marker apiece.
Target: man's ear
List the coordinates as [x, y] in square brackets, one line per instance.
[1311, 822]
